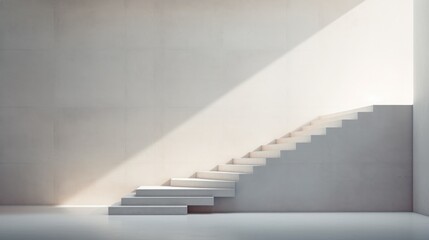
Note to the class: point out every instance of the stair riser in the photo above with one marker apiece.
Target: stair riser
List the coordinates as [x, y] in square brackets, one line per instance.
[219, 176]
[184, 183]
[265, 154]
[250, 161]
[193, 201]
[145, 210]
[335, 124]
[352, 116]
[236, 168]
[310, 133]
[279, 147]
[298, 139]
[187, 192]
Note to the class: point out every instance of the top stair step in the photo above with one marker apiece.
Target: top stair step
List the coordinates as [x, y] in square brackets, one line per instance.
[352, 114]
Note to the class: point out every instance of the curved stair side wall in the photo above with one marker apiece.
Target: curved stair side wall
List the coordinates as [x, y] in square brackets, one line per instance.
[364, 166]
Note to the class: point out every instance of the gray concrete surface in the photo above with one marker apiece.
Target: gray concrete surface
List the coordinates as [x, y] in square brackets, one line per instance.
[364, 166]
[34, 223]
[421, 107]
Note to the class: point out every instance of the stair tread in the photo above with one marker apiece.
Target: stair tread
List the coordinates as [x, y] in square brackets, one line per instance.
[244, 165]
[157, 191]
[285, 144]
[246, 168]
[268, 153]
[268, 150]
[176, 188]
[201, 179]
[250, 161]
[132, 200]
[278, 146]
[153, 197]
[223, 172]
[356, 110]
[149, 206]
[293, 138]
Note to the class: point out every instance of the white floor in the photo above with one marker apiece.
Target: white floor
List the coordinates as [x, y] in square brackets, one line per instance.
[93, 223]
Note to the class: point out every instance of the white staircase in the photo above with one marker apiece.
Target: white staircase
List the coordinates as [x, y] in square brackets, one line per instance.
[202, 189]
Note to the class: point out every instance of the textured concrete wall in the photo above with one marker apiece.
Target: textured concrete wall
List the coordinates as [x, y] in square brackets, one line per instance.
[364, 166]
[421, 107]
[98, 97]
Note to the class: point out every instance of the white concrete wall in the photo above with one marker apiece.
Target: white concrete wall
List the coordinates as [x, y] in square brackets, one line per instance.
[421, 107]
[98, 97]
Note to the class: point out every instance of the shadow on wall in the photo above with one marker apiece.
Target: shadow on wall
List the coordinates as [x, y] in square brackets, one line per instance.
[135, 92]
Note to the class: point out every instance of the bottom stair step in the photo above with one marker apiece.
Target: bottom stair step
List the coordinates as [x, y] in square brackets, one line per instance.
[148, 210]
[190, 201]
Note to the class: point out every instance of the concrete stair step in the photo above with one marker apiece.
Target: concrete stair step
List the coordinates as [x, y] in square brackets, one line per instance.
[236, 168]
[184, 191]
[250, 161]
[347, 115]
[324, 120]
[332, 124]
[148, 210]
[198, 182]
[281, 146]
[318, 131]
[190, 201]
[265, 154]
[218, 175]
[296, 139]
